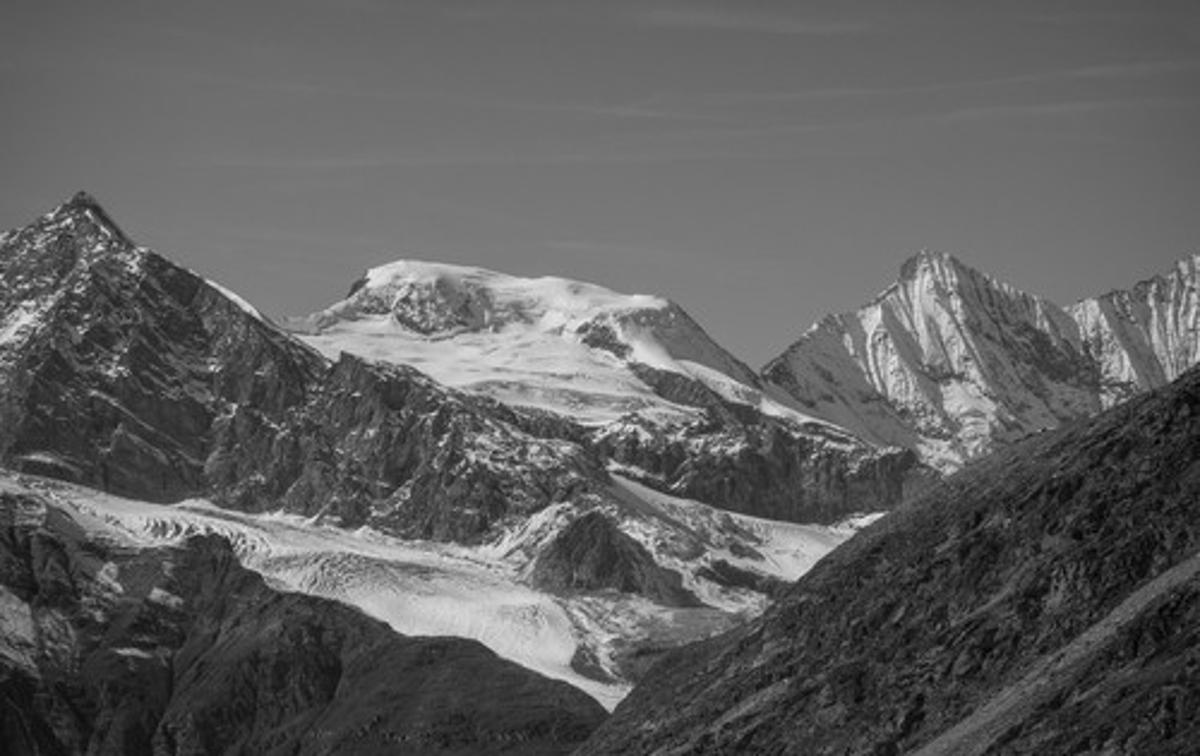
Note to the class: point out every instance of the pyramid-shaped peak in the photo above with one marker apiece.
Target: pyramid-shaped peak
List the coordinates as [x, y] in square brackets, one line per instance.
[85, 204]
[928, 259]
[947, 270]
[83, 199]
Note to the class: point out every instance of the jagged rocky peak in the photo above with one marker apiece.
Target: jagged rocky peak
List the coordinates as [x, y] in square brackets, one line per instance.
[932, 279]
[116, 362]
[37, 258]
[942, 264]
[1045, 601]
[946, 361]
[1144, 336]
[84, 206]
[952, 362]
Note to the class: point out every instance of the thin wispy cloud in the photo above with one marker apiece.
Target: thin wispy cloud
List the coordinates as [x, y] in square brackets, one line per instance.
[692, 145]
[1110, 71]
[476, 160]
[984, 113]
[1039, 109]
[742, 20]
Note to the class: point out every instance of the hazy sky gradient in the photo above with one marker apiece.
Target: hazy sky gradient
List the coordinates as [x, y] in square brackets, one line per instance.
[762, 164]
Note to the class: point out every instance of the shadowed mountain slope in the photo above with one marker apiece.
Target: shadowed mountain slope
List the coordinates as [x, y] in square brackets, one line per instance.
[1045, 600]
[180, 650]
[125, 372]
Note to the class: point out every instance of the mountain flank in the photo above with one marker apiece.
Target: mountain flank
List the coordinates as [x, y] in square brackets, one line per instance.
[952, 363]
[110, 650]
[1044, 600]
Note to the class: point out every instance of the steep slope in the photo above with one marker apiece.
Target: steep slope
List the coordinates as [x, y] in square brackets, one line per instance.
[583, 634]
[111, 650]
[1146, 336]
[593, 554]
[125, 372]
[632, 377]
[186, 390]
[952, 363]
[1046, 600]
[115, 363]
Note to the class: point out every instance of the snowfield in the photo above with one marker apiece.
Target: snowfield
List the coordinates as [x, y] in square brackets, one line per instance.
[546, 343]
[427, 588]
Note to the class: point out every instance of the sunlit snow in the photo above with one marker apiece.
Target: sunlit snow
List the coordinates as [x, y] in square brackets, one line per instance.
[428, 588]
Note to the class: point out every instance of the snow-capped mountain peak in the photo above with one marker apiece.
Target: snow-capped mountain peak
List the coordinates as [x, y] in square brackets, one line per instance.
[438, 299]
[1146, 336]
[929, 261]
[950, 361]
[575, 348]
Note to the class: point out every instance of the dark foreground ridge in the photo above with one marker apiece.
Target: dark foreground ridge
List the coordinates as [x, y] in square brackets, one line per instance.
[1045, 600]
[183, 651]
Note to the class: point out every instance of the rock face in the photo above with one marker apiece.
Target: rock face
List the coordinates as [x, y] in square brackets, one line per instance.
[764, 467]
[952, 363]
[125, 372]
[115, 363]
[593, 554]
[181, 650]
[634, 378]
[1146, 336]
[1044, 600]
[386, 446]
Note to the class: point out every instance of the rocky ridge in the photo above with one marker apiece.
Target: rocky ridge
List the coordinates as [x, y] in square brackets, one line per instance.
[131, 375]
[953, 363]
[633, 378]
[592, 553]
[184, 392]
[174, 650]
[1044, 600]
[189, 391]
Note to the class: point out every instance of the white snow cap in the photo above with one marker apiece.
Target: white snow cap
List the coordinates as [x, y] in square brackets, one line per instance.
[477, 297]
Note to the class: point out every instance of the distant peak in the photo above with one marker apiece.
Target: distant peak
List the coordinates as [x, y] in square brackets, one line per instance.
[927, 259]
[442, 298]
[84, 203]
[83, 199]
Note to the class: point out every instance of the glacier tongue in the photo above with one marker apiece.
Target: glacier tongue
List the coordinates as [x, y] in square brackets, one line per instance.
[481, 592]
[951, 362]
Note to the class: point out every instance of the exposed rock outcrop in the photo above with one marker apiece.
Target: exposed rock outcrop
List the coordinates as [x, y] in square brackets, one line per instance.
[765, 468]
[181, 650]
[953, 363]
[1043, 600]
[123, 371]
[593, 554]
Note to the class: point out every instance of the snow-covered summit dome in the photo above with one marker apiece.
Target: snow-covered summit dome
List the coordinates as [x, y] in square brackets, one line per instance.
[438, 299]
[574, 347]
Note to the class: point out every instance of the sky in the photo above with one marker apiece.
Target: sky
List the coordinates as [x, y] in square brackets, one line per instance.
[762, 164]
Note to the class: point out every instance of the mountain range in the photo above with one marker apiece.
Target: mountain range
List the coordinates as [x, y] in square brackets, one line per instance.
[579, 480]
[954, 364]
[1045, 600]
